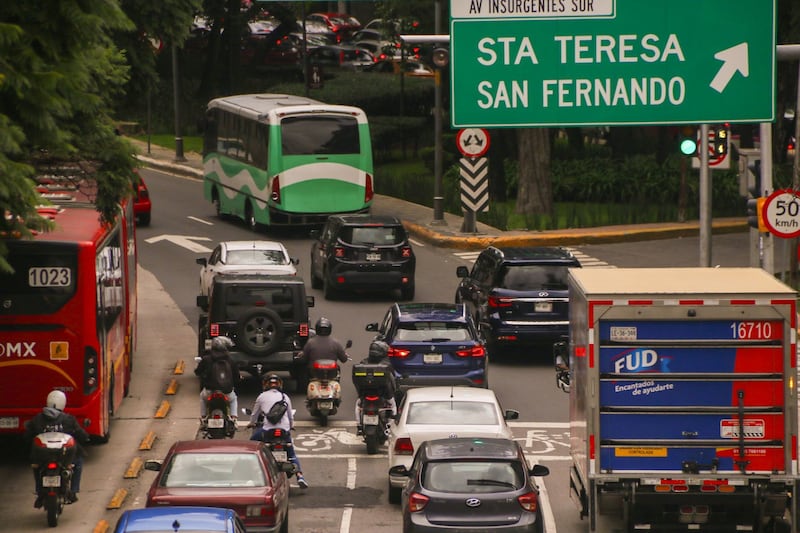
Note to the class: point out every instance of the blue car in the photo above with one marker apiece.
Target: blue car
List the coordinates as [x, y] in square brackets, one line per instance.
[433, 344]
[194, 519]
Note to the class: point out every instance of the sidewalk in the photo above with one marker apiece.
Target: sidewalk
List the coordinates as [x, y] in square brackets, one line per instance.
[419, 221]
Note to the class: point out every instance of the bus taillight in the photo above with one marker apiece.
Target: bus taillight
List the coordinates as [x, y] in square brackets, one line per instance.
[91, 369]
[276, 189]
[368, 190]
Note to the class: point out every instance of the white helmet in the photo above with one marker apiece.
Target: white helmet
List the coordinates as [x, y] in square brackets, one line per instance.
[57, 400]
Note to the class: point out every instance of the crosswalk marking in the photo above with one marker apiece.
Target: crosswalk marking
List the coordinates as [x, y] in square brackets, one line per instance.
[587, 261]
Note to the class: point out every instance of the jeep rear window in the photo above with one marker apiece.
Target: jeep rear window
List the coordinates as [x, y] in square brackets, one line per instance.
[532, 277]
[380, 235]
[238, 300]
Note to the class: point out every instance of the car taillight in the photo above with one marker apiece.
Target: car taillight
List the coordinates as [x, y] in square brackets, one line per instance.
[338, 251]
[276, 190]
[417, 502]
[497, 302]
[303, 329]
[403, 446]
[475, 351]
[529, 501]
[369, 192]
[266, 511]
[214, 330]
[405, 251]
[398, 352]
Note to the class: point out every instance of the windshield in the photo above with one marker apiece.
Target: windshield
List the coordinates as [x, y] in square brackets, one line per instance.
[44, 279]
[454, 412]
[473, 476]
[372, 235]
[428, 331]
[256, 257]
[214, 470]
[315, 134]
[532, 277]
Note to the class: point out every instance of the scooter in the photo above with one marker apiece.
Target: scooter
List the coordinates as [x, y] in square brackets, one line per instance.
[278, 443]
[53, 455]
[324, 392]
[374, 388]
[219, 424]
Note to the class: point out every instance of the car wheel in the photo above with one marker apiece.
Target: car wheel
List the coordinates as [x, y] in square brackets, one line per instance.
[285, 525]
[144, 219]
[407, 292]
[259, 332]
[316, 282]
[330, 291]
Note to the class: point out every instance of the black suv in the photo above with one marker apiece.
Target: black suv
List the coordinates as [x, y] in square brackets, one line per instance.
[518, 295]
[265, 316]
[362, 253]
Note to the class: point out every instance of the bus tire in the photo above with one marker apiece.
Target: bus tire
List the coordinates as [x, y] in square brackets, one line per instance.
[249, 218]
[217, 205]
[259, 332]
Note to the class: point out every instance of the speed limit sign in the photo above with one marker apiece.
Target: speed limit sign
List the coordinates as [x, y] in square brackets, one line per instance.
[782, 213]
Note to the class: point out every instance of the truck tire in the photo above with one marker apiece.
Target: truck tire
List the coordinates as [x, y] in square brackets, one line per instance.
[259, 332]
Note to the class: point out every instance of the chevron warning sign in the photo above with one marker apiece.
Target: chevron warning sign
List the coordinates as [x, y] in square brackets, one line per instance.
[474, 174]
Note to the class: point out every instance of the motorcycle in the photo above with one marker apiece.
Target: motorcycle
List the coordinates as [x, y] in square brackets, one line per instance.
[218, 424]
[53, 455]
[278, 444]
[374, 388]
[324, 392]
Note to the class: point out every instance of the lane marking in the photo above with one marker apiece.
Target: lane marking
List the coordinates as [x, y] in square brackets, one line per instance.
[163, 409]
[117, 499]
[134, 468]
[416, 243]
[347, 515]
[351, 473]
[352, 423]
[147, 441]
[200, 220]
[586, 260]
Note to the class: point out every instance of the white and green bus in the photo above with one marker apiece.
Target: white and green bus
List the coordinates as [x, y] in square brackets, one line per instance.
[276, 159]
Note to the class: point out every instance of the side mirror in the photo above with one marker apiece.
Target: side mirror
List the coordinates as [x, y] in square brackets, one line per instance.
[561, 364]
[202, 302]
[539, 470]
[201, 261]
[462, 271]
[349, 343]
[511, 414]
[153, 464]
[399, 470]
[247, 411]
[372, 326]
[309, 301]
[294, 260]
[314, 234]
[287, 467]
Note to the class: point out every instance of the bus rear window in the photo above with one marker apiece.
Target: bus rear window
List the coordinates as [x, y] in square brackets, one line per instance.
[313, 135]
[43, 280]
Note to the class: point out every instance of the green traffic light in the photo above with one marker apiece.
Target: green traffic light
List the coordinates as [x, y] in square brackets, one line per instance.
[688, 146]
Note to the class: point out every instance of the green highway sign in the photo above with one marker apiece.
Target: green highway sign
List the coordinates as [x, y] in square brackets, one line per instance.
[527, 63]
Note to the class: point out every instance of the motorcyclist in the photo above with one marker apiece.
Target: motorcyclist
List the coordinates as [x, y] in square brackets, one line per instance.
[53, 418]
[220, 347]
[323, 345]
[378, 354]
[272, 386]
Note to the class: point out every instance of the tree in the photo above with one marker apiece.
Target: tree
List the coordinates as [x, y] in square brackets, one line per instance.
[535, 194]
[59, 72]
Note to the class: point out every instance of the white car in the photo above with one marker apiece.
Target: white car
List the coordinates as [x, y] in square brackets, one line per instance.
[438, 413]
[245, 257]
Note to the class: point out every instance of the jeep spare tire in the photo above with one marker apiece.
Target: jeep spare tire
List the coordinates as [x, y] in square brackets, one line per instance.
[259, 332]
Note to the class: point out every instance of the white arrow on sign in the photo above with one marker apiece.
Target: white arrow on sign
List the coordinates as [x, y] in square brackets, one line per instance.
[733, 59]
[185, 241]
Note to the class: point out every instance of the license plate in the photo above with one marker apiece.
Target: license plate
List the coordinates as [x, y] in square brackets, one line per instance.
[51, 481]
[216, 423]
[370, 420]
[280, 455]
[543, 307]
[9, 422]
[325, 405]
[373, 257]
[432, 358]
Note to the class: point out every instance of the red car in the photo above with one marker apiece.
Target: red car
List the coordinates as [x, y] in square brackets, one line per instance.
[238, 474]
[141, 201]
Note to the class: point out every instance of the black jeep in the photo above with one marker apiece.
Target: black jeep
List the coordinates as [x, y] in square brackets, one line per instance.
[265, 316]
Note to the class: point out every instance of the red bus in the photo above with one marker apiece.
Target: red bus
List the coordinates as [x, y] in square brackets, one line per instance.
[68, 313]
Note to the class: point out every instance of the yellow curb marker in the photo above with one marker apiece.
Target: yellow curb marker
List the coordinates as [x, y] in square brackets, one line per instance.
[179, 367]
[163, 409]
[147, 441]
[172, 388]
[117, 499]
[134, 468]
[101, 527]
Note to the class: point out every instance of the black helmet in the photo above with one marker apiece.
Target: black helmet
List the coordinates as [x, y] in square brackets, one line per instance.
[377, 351]
[221, 344]
[323, 327]
[272, 381]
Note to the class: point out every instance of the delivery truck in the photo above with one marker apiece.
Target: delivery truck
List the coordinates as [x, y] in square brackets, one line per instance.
[682, 398]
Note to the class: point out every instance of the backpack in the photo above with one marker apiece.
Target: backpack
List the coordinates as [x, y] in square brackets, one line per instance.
[220, 375]
[277, 410]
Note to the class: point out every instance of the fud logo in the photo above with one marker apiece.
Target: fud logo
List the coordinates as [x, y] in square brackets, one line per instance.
[636, 361]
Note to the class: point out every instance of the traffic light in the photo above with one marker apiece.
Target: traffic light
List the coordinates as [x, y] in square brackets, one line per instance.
[721, 139]
[688, 141]
[755, 219]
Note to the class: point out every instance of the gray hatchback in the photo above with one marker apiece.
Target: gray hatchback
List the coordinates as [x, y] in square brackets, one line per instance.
[471, 484]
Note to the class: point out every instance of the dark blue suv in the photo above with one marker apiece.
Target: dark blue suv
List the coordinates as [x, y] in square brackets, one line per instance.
[433, 344]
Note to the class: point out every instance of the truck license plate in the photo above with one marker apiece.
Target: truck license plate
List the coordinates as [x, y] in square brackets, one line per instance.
[371, 420]
[325, 405]
[51, 481]
[9, 422]
[280, 455]
[543, 307]
[216, 423]
[432, 358]
[373, 257]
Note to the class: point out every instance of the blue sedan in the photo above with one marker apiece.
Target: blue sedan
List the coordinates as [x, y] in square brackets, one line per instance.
[194, 519]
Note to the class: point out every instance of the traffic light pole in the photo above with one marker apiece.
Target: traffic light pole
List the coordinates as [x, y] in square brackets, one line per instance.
[767, 241]
[705, 199]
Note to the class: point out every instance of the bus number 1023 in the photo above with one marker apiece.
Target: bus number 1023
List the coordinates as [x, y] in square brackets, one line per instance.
[754, 330]
[49, 277]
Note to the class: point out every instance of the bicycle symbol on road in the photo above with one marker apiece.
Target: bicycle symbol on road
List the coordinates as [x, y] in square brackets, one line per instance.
[320, 440]
[543, 442]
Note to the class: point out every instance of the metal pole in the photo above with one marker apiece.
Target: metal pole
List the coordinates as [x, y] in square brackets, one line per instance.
[438, 199]
[765, 135]
[177, 99]
[705, 199]
[793, 243]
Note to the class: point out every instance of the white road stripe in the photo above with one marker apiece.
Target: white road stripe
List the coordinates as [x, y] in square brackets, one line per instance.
[586, 261]
[416, 243]
[351, 473]
[347, 514]
[200, 220]
[351, 423]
